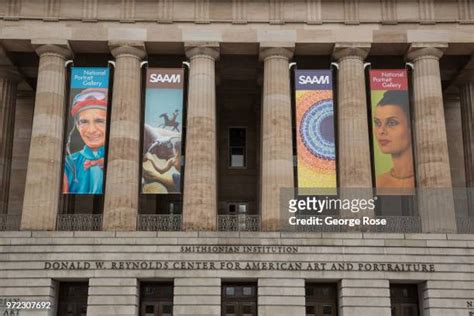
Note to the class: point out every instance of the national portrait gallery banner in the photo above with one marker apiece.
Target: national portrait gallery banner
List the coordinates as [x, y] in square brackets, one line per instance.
[87, 127]
[162, 131]
[392, 145]
[316, 149]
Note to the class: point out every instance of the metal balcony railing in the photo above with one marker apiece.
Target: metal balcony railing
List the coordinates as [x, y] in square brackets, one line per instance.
[172, 222]
[159, 222]
[398, 224]
[465, 225]
[9, 222]
[74, 222]
[240, 222]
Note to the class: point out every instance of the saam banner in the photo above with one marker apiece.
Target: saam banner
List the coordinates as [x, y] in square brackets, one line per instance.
[316, 148]
[392, 146]
[87, 123]
[161, 166]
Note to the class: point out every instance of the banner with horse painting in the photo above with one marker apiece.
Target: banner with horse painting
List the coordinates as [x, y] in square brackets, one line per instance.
[161, 165]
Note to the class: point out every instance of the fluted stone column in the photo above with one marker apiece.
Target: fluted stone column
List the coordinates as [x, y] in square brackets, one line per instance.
[200, 191]
[123, 160]
[433, 175]
[354, 167]
[277, 149]
[353, 128]
[466, 90]
[9, 79]
[43, 177]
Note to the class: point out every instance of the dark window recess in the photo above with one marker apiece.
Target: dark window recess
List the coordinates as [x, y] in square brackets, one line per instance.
[237, 148]
[73, 298]
[404, 299]
[395, 205]
[175, 207]
[237, 208]
[156, 299]
[239, 299]
[321, 299]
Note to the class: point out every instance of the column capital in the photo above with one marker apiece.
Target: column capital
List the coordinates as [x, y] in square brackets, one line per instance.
[57, 47]
[210, 49]
[285, 50]
[353, 50]
[425, 50]
[10, 73]
[131, 48]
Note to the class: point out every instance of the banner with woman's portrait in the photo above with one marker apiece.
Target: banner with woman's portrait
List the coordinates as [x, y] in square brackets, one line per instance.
[86, 133]
[316, 147]
[161, 165]
[392, 140]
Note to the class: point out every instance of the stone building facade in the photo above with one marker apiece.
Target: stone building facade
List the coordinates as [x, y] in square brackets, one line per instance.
[124, 253]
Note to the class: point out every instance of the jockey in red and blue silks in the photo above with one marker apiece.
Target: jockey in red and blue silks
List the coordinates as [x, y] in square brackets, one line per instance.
[84, 169]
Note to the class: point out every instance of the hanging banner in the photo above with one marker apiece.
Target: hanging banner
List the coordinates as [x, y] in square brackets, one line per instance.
[161, 167]
[392, 145]
[87, 123]
[316, 148]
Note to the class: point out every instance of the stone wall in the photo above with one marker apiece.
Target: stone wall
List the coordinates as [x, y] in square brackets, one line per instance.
[242, 11]
[280, 291]
[452, 111]
[21, 145]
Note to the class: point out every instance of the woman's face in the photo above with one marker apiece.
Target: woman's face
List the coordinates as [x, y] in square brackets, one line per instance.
[91, 125]
[392, 129]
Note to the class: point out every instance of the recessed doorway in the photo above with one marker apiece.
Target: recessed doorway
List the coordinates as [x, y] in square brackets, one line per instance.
[156, 299]
[321, 299]
[239, 299]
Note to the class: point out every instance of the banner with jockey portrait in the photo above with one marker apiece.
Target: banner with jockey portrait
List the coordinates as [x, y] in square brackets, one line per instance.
[161, 164]
[87, 127]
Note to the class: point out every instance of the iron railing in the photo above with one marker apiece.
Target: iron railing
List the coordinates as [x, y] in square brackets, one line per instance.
[9, 222]
[398, 224]
[74, 222]
[395, 224]
[465, 225]
[159, 222]
[238, 222]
